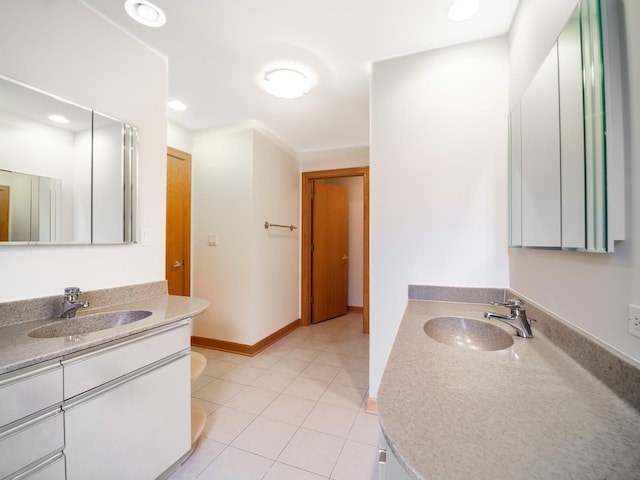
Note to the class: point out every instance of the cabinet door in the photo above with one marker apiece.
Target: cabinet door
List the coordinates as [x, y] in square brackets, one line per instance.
[389, 468]
[541, 158]
[134, 428]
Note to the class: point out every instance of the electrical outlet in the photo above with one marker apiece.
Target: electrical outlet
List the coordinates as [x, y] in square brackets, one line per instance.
[634, 320]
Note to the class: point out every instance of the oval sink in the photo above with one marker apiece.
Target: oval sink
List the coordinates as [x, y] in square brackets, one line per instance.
[467, 333]
[88, 324]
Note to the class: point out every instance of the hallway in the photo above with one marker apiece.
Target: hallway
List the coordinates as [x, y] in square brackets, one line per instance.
[294, 411]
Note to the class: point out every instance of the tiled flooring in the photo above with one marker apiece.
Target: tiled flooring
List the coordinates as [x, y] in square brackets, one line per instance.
[293, 412]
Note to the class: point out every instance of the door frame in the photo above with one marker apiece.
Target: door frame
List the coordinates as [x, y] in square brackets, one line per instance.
[305, 290]
[186, 157]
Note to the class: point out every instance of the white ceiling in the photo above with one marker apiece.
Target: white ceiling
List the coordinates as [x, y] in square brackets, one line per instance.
[217, 48]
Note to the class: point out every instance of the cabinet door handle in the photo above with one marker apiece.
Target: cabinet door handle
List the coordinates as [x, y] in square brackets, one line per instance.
[382, 456]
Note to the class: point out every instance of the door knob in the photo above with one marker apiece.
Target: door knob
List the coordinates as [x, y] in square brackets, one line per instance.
[345, 257]
[177, 264]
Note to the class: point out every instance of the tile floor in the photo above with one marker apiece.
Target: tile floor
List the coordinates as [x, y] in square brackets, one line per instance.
[295, 411]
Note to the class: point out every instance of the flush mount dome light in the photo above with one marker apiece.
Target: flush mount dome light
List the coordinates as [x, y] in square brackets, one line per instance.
[286, 83]
[145, 12]
[462, 10]
[177, 105]
[58, 119]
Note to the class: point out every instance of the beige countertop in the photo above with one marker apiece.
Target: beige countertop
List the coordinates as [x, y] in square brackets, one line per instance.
[17, 350]
[527, 412]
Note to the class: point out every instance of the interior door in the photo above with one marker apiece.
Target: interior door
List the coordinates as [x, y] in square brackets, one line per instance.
[4, 213]
[178, 236]
[329, 260]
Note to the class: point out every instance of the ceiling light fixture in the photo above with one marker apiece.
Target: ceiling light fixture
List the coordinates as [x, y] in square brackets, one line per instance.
[462, 10]
[145, 12]
[58, 119]
[286, 83]
[177, 105]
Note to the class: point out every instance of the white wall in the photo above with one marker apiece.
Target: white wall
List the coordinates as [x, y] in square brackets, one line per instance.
[591, 291]
[330, 159]
[179, 137]
[240, 179]
[222, 206]
[276, 255]
[355, 206]
[64, 47]
[438, 179]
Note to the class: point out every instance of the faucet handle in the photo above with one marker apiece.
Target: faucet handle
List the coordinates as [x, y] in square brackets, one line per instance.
[511, 303]
[72, 291]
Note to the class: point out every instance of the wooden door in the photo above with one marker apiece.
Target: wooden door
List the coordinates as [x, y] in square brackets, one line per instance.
[4, 213]
[329, 260]
[178, 237]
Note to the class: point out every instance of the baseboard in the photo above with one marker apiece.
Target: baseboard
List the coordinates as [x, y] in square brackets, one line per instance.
[355, 309]
[241, 348]
[372, 406]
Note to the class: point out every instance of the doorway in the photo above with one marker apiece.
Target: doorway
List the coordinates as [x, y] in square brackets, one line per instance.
[4, 212]
[308, 179]
[178, 229]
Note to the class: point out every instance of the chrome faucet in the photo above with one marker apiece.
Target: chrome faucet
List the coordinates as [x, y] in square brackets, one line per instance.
[517, 319]
[71, 303]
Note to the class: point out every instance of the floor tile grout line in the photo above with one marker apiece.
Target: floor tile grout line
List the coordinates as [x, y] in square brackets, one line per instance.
[351, 356]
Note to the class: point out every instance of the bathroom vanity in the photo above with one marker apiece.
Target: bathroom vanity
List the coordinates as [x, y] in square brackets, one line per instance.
[524, 410]
[112, 403]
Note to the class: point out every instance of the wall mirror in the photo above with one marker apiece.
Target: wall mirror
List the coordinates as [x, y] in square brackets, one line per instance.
[566, 140]
[68, 174]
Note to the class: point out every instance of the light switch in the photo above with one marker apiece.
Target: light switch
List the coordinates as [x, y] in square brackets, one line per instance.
[145, 241]
[212, 240]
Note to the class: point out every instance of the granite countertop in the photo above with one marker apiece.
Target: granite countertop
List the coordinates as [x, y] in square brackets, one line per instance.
[17, 350]
[526, 412]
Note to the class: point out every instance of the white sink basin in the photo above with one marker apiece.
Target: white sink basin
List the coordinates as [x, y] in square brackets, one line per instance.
[88, 323]
[468, 333]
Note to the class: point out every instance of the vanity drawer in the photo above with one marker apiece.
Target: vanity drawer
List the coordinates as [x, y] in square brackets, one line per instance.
[52, 468]
[29, 390]
[30, 441]
[94, 367]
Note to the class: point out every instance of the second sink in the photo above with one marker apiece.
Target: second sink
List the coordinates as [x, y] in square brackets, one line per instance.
[88, 323]
[467, 333]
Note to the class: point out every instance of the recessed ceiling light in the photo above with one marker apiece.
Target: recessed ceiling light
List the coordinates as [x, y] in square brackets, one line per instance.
[58, 119]
[145, 12]
[286, 83]
[462, 10]
[177, 105]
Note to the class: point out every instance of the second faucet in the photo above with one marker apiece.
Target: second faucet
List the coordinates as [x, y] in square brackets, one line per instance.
[517, 319]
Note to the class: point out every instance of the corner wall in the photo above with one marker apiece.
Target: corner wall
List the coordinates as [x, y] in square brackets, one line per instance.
[438, 179]
[64, 47]
[590, 291]
[242, 178]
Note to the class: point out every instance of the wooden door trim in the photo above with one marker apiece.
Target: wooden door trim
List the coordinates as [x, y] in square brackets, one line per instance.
[307, 179]
[174, 152]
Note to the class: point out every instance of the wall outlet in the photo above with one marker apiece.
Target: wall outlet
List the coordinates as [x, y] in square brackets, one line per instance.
[634, 320]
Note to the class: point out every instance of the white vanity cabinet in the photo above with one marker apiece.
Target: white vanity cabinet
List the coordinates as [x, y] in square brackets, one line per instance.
[127, 406]
[31, 423]
[389, 467]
